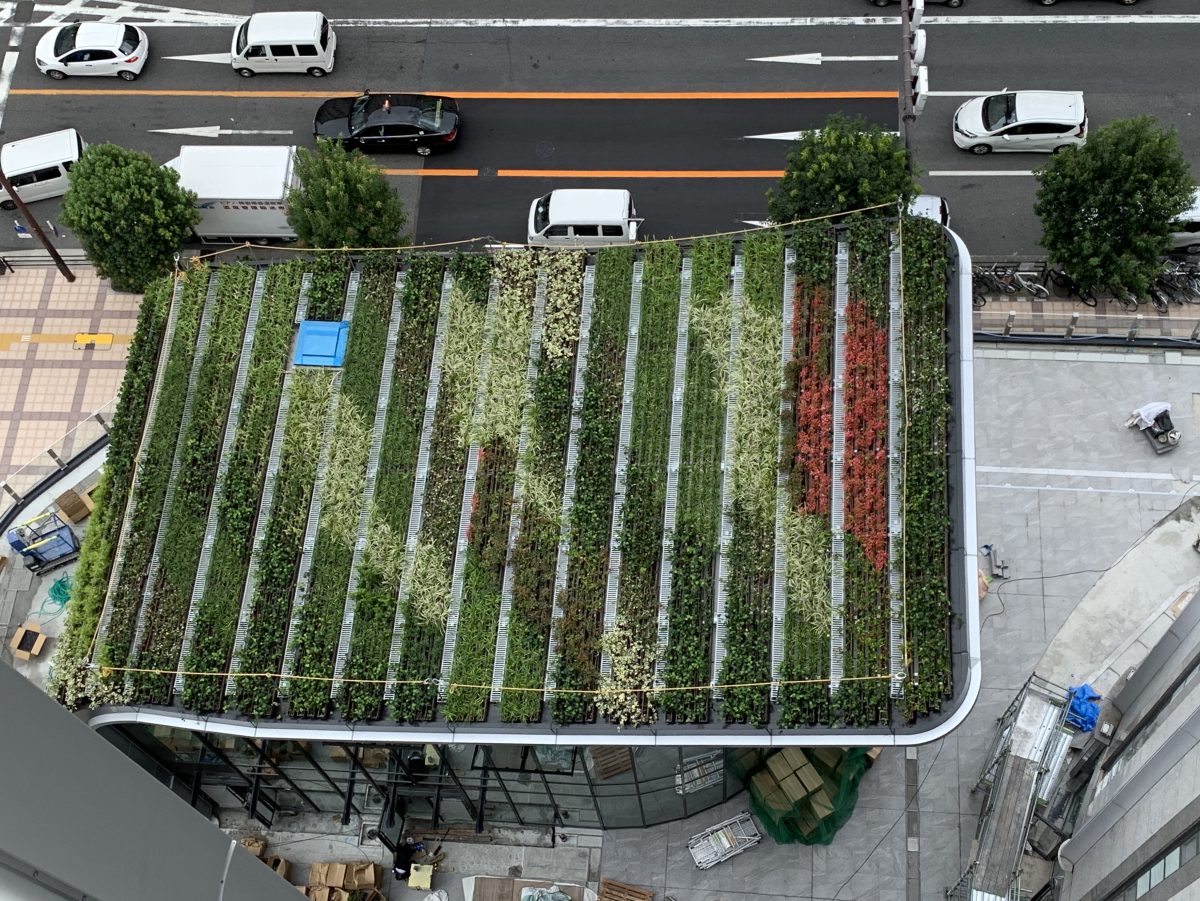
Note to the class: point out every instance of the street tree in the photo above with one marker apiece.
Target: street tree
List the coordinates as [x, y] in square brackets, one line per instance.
[846, 165]
[1107, 206]
[343, 200]
[129, 213]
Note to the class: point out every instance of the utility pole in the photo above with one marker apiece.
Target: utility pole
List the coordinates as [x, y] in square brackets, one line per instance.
[914, 76]
[36, 227]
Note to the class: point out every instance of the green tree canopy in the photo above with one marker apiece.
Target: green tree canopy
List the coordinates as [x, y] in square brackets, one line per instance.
[1107, 206]
[847, 165]
[128, 212]
[343, 200]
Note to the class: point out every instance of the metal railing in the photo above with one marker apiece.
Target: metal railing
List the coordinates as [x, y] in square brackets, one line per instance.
[21, 485]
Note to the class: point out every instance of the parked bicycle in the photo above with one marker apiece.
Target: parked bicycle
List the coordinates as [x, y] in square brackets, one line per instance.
[1065, 282]
[1024, 281]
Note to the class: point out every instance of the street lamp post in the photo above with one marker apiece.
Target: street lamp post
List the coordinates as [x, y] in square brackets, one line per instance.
[35, 227]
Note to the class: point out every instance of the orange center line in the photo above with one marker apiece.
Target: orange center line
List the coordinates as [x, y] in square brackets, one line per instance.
[639, 173]
[468, 173]
[477, 95]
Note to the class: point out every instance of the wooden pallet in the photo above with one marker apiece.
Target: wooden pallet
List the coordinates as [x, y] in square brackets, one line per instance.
[619, 891]
[611, 762]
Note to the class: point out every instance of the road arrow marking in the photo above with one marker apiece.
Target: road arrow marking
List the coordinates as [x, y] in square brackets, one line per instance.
[791, 135]
[223, 58]
[815, 59]
[215, 131]
[757, 223]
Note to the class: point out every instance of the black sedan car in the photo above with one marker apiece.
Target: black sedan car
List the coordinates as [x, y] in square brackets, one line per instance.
[390, 123]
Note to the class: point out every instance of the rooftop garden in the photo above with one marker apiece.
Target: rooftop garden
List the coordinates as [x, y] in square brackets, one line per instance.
[665, 485]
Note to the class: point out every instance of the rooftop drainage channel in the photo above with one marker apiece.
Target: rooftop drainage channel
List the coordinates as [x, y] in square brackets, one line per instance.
[522, 473]
[418, 496]
[779, 600]
[674, 458]
[568, 502]
[214, 508]
[206, 318]
[612, 589]
[118, 566]
[837, 504]
[364, 517]
[303, 582]
[735, 334]
[895, 520]
[468, 495]
[268, 496]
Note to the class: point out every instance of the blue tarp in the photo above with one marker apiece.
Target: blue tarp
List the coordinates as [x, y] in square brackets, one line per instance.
[1083, 711]
[321, 343]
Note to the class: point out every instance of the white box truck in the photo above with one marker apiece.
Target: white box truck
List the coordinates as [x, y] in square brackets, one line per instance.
[241, 192]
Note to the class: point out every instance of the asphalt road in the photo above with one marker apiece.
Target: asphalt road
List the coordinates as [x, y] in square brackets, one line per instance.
[667, 108]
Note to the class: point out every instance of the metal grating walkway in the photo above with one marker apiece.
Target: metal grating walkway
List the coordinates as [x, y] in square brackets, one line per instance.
[364, 516]
[468, 495]
[613, 586]
[214, 507]
[118, 566]
[514, 526]
[185, 421]
[837, 504]
[897, 667]
[735, 334]
[560, 574]
[674, 459]
[418, 496]
[779, 597]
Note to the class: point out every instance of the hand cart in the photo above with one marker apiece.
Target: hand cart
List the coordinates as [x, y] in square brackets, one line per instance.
[724, 840]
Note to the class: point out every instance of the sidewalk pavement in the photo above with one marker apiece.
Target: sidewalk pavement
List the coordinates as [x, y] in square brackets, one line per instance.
[48, 382]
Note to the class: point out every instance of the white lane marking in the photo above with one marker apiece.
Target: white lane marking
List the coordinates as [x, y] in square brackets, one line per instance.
[126, 11]
[215, 131]
[967, 173]
[9, 66]
[1082, 473]
[224, 59]
[757, 223]
[768, 22]
[960, 93]
[816, 59]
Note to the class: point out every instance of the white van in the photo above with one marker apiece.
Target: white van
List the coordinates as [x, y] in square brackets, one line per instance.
[38, 167]
[1187, 238]
[583, 217]
[283, 42]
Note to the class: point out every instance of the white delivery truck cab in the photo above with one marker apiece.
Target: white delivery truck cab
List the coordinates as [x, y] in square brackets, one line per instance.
[583, 217]
[37, 167]
[1187, 239]
[283, 42]
[241, 192]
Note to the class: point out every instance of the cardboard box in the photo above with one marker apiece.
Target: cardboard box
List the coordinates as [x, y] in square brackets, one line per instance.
[317, 892]
[794, 757]
[331, 875]
[280, 865]
[873, 755]
[362, 875]
[74, 506]
[255, 844]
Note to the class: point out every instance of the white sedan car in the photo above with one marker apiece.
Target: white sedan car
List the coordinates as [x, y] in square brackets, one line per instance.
[93, 48]
[1021, 121]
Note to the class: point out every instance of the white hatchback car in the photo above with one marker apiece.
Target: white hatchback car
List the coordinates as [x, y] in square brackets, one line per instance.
[1021, 121]
[93, 48]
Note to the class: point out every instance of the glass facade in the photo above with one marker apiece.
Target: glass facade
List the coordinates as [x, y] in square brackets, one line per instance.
[451, 785]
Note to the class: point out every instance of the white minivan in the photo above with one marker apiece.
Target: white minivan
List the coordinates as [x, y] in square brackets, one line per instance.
[582, 217]
[1187, 238]
[283, 42]
[37, 167]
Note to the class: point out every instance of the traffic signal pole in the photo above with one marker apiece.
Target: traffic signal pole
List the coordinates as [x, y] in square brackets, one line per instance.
[36, 228]
[914, 76]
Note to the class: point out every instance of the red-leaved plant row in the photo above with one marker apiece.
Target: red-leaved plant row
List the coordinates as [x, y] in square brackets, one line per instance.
[812, 334]
[866, 421]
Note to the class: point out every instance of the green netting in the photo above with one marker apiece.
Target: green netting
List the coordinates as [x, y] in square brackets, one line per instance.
[801, 795]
